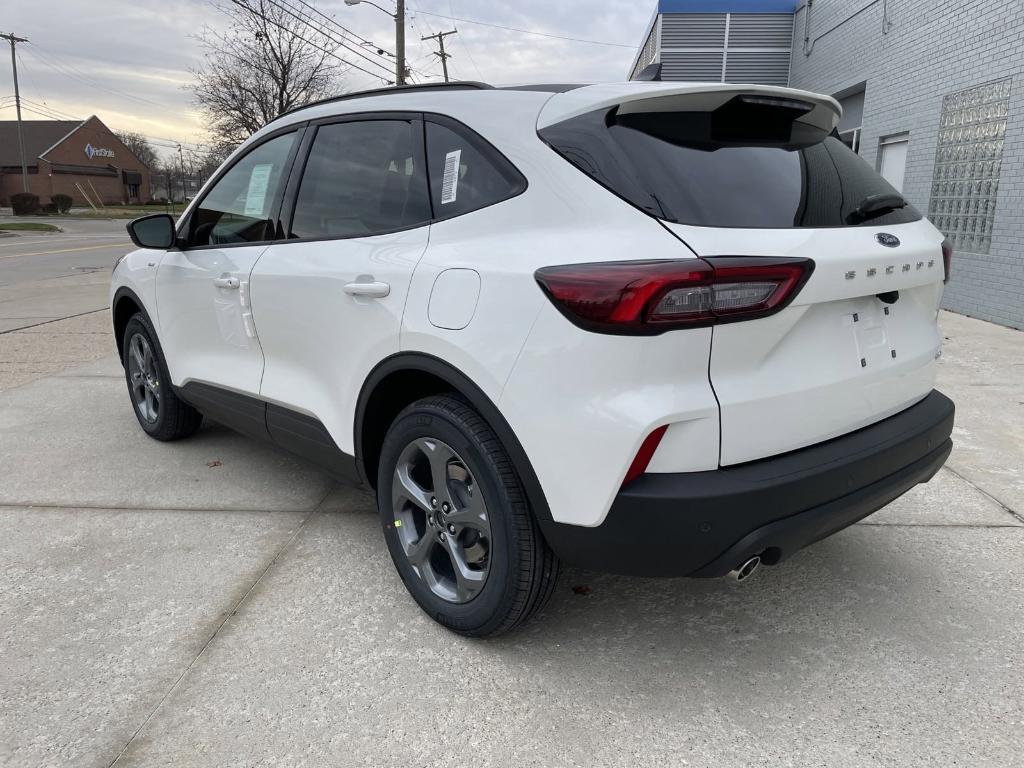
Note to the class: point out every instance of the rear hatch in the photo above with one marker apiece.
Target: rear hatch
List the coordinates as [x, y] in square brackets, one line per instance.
[758, 172]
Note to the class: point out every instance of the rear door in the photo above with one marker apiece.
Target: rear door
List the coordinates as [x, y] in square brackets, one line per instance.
[762, 174]
[328, 299]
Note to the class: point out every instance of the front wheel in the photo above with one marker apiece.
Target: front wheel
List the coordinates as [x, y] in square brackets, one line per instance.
[457, 522]
[161, 413]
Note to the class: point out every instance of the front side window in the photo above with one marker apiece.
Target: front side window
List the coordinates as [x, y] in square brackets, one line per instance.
[239, 208]
[466, 173]
[362, 179]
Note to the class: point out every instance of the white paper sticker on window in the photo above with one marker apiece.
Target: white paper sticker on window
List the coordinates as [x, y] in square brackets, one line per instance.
[255, 198]
[450, 184]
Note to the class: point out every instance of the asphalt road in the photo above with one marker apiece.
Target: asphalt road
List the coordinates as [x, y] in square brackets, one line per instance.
[50, 276]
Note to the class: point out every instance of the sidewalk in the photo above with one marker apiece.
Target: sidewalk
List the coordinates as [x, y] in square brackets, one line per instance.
[216, 602]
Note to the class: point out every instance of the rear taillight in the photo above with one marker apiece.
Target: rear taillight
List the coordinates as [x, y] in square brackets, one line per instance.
[947, 259]
[649, 297]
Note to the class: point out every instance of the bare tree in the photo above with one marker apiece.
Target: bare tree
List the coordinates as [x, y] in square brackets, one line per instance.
[140, 147]
[265, 63]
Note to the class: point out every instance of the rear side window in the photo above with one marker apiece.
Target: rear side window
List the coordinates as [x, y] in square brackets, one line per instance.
[241, 205]
[736, 166]
[361, 179]
[467, 173]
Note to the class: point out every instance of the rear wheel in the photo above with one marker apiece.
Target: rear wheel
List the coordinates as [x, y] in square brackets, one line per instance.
[457, 522]
[161, 413]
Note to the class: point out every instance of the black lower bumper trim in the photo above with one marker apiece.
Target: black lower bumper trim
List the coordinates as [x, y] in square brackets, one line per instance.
[705, 523]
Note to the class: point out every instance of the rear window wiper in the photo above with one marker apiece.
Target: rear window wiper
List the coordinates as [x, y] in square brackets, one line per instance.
[875, 205]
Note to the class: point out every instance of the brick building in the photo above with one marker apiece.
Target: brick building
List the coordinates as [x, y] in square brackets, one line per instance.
[82, 159]
[932, 98]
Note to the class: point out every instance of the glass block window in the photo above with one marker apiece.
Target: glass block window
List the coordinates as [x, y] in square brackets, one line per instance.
[965, 183]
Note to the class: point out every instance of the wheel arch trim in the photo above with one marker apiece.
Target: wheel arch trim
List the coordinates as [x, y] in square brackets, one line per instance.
[124, 292]
[461, 383]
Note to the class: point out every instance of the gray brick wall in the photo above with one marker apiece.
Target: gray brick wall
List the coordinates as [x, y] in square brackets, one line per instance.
[931, 48]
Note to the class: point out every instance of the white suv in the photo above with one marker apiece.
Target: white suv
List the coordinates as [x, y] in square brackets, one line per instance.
[647, 328]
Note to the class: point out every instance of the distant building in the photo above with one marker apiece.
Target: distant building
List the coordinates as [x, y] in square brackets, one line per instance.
[722, 41]
[82, 159]
[931, 95]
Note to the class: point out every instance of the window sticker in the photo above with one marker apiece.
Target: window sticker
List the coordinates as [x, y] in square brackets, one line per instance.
[259, 180]
[450, 183]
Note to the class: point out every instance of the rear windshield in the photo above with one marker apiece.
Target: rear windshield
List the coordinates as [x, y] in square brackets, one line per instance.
[738, 166]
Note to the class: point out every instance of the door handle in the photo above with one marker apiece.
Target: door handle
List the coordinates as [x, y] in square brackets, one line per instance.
[372, 290]
[226, 282]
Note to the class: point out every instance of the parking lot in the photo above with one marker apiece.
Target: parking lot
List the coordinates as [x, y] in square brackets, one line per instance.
[217, 602]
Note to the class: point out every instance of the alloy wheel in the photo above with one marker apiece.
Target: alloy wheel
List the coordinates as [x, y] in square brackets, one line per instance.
[441, 520]
[144, 378]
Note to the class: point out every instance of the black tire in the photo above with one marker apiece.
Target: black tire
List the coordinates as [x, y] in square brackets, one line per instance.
[174, 419]
[521, 568]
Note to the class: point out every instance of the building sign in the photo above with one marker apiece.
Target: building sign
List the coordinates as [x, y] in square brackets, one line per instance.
[91, 152]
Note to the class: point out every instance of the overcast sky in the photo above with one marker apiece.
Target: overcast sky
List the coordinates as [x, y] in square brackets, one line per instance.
[128, 61]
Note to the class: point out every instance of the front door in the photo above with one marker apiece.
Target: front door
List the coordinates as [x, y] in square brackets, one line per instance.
[202, 290]
[328, 300]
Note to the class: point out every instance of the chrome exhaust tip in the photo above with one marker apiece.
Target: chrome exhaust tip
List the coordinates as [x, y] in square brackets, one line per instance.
[745, 570]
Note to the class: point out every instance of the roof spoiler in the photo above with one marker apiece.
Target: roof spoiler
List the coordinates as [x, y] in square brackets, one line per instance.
[634, 97]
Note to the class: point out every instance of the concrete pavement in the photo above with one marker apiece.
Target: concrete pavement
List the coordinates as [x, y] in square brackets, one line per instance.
[216, 602]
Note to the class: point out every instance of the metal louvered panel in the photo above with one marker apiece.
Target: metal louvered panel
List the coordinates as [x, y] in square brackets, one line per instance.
[693, 30]
[649, 52]
[761, 30]
[694, 67]
[765, 68]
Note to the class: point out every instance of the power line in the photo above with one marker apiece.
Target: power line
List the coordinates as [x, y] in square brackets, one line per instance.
[528, 31]
[244, 6]
[463, 46]
[306, 20]
[68, 71]
[46, 107]
[335, 23]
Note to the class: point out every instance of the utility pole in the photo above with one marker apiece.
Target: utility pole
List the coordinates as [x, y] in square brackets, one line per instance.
[400, 42]
[181, 162]
[17, 106]
[440, 36]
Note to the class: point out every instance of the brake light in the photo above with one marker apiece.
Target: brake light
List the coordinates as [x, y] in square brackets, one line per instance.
[947, 259]
[649, 297]
[645, 454]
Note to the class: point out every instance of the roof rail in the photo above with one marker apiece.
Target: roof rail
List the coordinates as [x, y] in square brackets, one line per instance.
[457, 85]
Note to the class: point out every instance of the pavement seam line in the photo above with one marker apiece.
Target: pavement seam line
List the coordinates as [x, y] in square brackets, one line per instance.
[55, 320]
[1006, 508]
[6, 505]
[943, 525]
[234, 609]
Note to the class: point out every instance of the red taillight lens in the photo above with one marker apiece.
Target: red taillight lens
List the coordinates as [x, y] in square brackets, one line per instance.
[645, 454]
[947, 259]
[647, 297]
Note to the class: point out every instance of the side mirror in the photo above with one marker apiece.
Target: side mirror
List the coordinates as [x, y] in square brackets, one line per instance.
[156, 231]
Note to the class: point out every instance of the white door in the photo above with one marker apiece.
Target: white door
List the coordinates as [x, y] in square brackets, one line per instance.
[893, 163]
[328, 301]
[202, 290]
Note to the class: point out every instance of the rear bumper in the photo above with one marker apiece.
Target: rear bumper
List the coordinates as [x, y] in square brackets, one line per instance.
[705, 523]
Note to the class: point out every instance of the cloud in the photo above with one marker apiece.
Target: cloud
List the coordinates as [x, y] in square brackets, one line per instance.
[127, 61]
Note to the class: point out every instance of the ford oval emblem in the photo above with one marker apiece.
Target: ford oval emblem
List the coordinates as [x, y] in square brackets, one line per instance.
[889, 241]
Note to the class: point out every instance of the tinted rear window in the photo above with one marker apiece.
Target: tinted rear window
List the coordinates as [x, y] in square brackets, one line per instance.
[734, 167]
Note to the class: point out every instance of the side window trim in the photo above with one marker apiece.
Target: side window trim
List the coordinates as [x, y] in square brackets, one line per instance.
[517, 181]
[187, 226]
[291, 194]
[291, 190]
